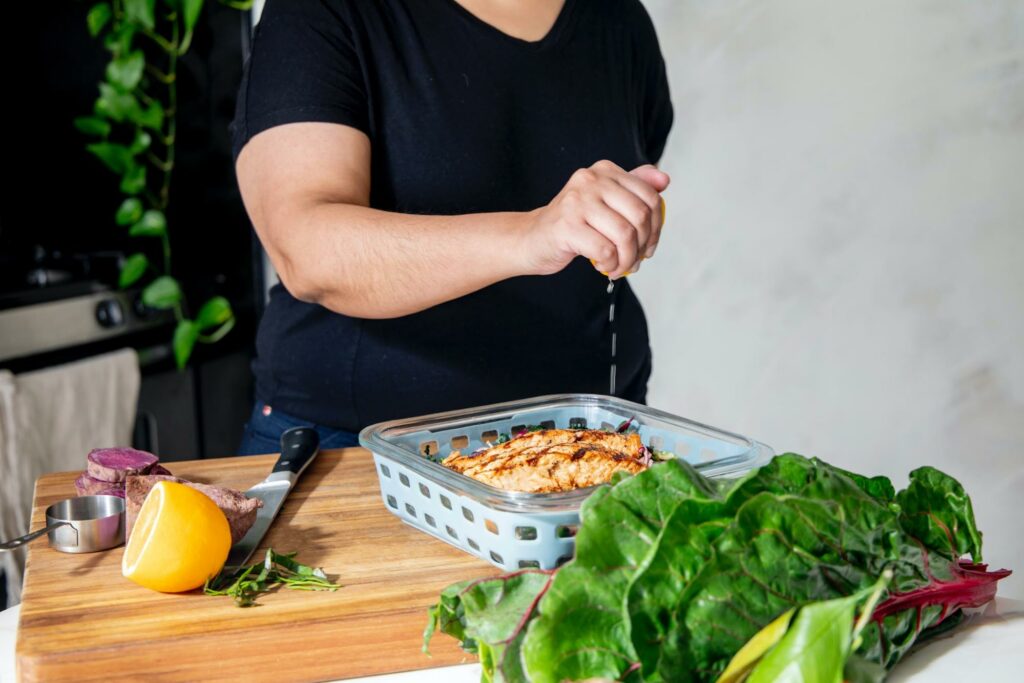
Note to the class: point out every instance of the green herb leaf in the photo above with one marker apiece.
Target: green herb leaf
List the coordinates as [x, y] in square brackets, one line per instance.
[125, 71]
[98, 16]
[93, 125]
[152, 224]
[185, 336]
[162, 293]
[141, 12]
[132, 269]
[133, 181]
[115, 157]
[129, 211]
[277, 569]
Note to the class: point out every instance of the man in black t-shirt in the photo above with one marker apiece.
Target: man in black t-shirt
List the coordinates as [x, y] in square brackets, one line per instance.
[444, 188]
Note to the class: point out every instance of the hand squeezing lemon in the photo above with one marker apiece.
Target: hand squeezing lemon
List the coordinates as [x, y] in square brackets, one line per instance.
[594, 263]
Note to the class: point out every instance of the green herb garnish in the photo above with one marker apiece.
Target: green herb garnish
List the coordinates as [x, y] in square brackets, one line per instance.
[277, 569]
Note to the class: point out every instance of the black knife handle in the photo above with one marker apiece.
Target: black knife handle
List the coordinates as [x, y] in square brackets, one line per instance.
[299, 445]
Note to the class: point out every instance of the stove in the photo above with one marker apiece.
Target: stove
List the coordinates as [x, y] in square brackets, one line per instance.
[51, 301]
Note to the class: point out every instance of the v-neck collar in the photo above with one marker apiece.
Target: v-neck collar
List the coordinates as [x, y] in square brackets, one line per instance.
[551, 37]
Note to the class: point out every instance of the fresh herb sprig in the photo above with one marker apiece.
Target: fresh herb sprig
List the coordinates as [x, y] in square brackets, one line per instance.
[277, 569]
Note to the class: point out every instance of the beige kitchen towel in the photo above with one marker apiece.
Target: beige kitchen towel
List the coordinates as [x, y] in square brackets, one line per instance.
[49, 421]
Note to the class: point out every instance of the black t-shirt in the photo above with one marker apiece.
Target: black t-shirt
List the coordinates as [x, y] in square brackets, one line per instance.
[462, 118]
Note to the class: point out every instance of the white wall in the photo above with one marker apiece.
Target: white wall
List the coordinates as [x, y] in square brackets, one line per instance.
[842, 272]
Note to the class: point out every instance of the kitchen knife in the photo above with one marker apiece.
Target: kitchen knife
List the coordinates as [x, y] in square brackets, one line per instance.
[299, 445]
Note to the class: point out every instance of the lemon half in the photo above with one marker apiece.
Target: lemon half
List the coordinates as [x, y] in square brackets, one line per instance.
[181, 539]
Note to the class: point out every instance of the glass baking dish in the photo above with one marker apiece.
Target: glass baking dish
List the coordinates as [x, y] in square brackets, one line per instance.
[512, 529]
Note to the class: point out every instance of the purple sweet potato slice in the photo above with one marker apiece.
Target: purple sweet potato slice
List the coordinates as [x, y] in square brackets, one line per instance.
[160, 469]
[239, 510]
[89, 486]
[115, 490]
[115, 464]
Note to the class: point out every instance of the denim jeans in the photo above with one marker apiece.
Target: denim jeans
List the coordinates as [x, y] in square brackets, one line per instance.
[266, 424]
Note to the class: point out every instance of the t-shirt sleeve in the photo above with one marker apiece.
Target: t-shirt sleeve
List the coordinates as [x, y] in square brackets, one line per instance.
[656, 113]
[303, 65]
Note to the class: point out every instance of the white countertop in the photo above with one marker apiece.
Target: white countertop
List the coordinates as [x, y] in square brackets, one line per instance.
[989, 647]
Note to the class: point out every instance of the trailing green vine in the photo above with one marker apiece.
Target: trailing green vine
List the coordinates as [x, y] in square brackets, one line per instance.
[133, 132]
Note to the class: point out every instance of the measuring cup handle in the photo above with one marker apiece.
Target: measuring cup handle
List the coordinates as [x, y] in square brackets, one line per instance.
[18, 542]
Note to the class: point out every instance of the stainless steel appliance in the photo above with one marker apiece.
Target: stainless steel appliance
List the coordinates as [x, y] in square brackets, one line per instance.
[53, 306]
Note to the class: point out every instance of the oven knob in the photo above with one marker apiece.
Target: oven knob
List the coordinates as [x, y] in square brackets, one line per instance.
[109, 313]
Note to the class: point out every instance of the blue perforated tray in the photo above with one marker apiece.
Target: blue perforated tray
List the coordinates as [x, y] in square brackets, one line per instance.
[512, 529]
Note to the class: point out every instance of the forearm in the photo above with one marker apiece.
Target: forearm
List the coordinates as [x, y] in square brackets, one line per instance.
[369, 263]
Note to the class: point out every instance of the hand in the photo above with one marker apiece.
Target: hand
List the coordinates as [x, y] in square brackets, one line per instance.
[603, 213]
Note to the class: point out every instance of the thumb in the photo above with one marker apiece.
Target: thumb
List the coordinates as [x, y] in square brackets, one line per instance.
[650, 174]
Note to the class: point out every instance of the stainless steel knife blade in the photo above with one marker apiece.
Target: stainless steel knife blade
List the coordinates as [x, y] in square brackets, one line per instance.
[299, 445]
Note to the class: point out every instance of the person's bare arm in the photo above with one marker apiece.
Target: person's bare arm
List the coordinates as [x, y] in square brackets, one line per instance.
[306, 187]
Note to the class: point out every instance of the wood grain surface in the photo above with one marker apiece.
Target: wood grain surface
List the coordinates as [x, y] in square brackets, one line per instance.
[81, 620]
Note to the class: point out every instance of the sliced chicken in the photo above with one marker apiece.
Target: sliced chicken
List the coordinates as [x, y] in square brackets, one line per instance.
[553, 460]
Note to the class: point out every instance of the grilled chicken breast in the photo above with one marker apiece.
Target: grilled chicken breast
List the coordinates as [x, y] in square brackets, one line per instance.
[553, 460]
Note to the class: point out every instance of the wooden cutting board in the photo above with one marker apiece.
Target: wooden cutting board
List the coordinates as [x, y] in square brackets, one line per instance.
[81, 620]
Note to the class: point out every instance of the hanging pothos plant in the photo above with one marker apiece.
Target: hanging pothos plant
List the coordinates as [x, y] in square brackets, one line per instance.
[132, 127]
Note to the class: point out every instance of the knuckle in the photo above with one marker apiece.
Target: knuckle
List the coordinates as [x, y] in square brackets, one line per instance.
[645, 212]
[584, 175]
[606, 253]
[622, 232]
[603, 165]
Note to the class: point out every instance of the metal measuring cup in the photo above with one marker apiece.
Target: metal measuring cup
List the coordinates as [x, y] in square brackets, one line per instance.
[80, 525]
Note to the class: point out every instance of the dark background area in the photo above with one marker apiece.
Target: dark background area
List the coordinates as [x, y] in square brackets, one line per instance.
[58, 196]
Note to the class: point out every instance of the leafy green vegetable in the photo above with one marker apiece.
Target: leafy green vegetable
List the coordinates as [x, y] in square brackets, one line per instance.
[277, 569]
[500, 609]
[660, 455]
[675, 573]
[818, 642]
[938, 511]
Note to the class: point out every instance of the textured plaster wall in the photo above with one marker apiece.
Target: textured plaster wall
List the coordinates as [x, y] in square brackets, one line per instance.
[842, 272]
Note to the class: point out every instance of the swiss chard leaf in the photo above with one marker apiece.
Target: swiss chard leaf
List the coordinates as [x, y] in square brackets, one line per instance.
[490, 618]
[938, 512]
[817, 644]
[637, 551]
[675, 573]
